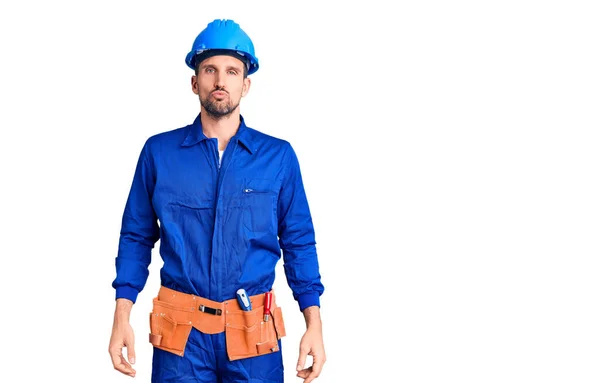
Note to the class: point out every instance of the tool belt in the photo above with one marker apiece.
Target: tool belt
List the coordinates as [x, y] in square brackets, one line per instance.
[246, 333]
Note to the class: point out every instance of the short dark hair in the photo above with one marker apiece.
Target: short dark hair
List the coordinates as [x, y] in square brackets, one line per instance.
[216, 52]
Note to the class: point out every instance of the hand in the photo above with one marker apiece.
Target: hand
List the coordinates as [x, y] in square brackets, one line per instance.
[311, 344]
[122, 336]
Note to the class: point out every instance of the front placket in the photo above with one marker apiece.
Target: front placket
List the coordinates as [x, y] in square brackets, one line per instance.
[218, 260]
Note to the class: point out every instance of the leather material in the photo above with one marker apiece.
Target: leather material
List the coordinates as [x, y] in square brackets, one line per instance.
[174, 314]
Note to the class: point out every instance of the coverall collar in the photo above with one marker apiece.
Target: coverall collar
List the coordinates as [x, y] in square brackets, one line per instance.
[196, 135]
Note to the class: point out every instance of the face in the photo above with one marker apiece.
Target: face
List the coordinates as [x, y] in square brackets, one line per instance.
[220, 85]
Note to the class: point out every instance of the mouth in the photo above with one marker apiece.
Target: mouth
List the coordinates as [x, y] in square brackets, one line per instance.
[219, 94]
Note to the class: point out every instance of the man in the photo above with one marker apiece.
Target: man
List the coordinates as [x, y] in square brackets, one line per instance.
[226, 201]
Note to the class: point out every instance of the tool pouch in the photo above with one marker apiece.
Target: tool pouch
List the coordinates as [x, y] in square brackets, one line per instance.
[170, 326]
[247, 335]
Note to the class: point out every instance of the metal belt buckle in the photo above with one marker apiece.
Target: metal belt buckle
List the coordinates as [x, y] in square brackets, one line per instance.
[210, 310]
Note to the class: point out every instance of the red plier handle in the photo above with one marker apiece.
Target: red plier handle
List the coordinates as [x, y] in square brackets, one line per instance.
[268, 301]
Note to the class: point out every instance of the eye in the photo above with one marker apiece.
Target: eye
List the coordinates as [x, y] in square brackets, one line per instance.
[232, 72]
[209, 70]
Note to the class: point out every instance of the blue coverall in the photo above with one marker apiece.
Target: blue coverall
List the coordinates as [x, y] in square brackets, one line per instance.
[221, 228]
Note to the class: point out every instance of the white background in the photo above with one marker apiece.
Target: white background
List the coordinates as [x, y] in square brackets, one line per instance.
[450, 152]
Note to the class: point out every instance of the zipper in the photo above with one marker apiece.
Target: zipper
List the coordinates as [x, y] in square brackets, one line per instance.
[249, 190]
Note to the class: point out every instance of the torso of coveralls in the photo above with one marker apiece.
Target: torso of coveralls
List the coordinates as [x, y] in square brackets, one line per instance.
[218, 224]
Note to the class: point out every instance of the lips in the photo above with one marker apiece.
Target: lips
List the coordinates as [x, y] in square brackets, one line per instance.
[219, 93]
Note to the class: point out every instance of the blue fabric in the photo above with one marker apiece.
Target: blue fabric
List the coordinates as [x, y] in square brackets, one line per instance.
[205, 360]
[220, 229]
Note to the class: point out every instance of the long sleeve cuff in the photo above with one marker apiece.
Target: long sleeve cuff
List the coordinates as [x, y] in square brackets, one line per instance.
[127, 292]
[308, 299]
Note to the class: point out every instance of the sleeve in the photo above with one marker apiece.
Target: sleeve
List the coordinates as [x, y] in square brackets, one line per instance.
[139, 232]
[297, 237]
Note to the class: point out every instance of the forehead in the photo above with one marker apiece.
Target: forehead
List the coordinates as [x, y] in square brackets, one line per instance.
[223, 61]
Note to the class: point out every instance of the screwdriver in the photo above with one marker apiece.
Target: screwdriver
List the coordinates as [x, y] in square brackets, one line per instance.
[268, 300]
[244, 300]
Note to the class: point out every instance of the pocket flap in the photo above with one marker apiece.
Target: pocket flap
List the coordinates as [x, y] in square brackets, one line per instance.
[155, 339]
[278, 319]
[266, 347]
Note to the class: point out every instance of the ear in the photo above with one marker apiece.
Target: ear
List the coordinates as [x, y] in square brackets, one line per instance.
[246, 87]
[195, 88]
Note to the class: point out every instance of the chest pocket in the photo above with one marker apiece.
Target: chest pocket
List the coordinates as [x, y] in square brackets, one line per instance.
[259, 201]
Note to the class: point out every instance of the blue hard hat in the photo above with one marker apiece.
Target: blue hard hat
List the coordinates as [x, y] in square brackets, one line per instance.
[224, 35]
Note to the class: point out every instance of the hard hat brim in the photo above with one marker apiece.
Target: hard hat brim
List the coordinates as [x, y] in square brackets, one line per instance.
[250, 61]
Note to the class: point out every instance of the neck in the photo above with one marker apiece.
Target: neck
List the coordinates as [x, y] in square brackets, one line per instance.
[220, 128]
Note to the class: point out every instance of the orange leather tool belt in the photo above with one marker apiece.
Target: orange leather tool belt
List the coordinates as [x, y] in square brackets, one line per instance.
[246, 333]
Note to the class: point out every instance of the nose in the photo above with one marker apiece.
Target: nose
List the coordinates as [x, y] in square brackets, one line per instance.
[219, 80]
